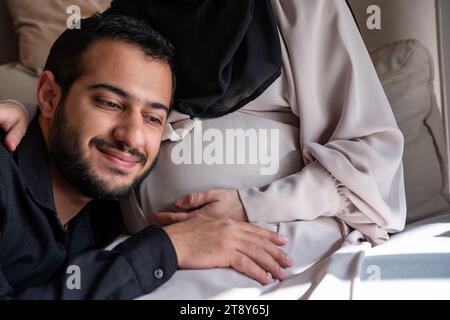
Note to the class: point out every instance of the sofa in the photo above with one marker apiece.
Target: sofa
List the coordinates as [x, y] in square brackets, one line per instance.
[405, 68]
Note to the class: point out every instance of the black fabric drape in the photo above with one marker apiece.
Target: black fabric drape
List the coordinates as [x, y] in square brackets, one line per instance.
[227, 51]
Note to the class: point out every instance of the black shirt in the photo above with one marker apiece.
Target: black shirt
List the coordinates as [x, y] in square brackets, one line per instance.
[39, 260]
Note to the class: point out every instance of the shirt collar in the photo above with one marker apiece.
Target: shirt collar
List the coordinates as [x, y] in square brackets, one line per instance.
[32, 156]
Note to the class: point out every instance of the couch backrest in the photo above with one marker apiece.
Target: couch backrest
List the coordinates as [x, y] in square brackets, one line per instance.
[402, 19]
[8, 39]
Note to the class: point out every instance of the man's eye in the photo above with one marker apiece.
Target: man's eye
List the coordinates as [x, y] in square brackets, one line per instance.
[108, 104]
[111, 105]
[152, 120]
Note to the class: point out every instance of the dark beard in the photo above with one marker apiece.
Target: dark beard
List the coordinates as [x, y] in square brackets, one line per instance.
[66, 151]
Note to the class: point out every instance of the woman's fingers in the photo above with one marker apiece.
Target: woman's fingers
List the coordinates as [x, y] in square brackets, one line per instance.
[14, 122]
[15, 135]
[193, 200]
[167, 218]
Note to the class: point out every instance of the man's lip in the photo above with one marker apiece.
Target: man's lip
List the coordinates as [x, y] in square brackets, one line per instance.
[119, 158]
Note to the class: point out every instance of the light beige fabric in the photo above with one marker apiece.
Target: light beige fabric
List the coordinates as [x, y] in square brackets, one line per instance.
[38, 24]
[351, 145]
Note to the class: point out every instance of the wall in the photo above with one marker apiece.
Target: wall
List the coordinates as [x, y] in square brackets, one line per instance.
[401, 19]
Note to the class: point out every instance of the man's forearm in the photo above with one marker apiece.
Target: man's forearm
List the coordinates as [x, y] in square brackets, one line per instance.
[136, 267]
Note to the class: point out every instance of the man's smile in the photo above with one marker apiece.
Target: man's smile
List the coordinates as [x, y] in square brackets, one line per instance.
[118, 158]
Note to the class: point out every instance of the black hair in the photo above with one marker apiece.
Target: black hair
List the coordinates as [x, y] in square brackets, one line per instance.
[65, 59]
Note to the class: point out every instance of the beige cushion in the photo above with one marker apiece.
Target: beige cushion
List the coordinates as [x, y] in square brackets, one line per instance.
[406, 72]
[38, 24]
[17, 83]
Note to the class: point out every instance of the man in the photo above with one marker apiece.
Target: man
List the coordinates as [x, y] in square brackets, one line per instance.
[104, 100]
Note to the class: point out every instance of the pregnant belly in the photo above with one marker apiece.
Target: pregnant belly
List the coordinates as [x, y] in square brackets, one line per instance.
[235, 151]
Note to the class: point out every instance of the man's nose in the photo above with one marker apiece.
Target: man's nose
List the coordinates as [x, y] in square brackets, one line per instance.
[130, 130]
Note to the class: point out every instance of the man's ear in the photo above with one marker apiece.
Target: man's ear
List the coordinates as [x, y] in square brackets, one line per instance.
[48, 94]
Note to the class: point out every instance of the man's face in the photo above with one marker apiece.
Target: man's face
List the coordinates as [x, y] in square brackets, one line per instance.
[105, 135]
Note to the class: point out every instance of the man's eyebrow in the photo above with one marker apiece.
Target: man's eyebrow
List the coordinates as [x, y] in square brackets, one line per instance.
[114, 89]
[157, 105]
[126, 95]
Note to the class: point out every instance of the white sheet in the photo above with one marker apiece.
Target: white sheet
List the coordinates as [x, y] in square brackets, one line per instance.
[414, 264]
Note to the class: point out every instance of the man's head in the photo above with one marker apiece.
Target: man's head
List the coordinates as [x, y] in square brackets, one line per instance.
[104, 100]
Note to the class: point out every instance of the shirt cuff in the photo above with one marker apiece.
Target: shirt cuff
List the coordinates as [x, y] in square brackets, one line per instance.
[152, 257]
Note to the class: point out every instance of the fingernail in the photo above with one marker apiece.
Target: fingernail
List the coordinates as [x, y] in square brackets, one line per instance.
[283, 275]
[10, 146]
[290, 261]
[283, 238]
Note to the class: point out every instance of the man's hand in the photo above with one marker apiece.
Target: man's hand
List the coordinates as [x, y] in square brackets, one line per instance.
[204, 242]
[215, 203]
[14, 122]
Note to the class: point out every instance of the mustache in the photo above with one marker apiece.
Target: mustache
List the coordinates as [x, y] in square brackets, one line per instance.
[118, 146]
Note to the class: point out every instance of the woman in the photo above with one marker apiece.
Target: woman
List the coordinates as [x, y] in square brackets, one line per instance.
[296, 66]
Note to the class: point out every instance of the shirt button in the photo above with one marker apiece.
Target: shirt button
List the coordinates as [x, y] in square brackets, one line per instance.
[158, 273]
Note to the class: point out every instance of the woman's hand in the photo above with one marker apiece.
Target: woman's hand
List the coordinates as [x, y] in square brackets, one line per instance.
[14, 122]
[215, 203]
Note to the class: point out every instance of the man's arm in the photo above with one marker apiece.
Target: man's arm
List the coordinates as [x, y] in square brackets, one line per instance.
[134, 268]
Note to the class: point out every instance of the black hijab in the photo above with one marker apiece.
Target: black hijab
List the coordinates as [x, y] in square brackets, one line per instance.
[227, 51]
